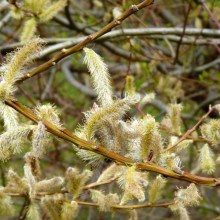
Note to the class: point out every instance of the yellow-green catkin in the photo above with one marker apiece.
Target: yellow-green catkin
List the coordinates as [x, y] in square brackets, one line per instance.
[172, 120]
[156, 187]
[39, 140]
[33, 162]
[129, 85]
[6, 207]
[29, 30]
[188, 197]
[9, 116]
[52, 10]
[69, 210]
[14, 66]
[50, 113]
[76, 180]
[33, 212]
[206, 160]
[133, 184]
[100, 77]
[113, 112]
[112, 171]
[133, 215]
[151, 141]
[16, 184]
[52, 205]
[51, 185]
[211, 131]
[105, 202]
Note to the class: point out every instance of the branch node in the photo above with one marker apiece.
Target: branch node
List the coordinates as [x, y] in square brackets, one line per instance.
[90, 37]
[117, 22]
[134, 8]
[64, 50]
[178, 171]
[94, 147]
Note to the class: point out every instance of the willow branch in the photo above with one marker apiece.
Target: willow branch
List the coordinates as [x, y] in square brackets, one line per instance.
[117, 158]
[162, 205]
[66, 52]
[96, 184]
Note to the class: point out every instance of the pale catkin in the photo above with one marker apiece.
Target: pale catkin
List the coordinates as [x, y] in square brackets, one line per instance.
[172, 120]
[6, 207]
[69, 210]
[76, 180]
[16, 184]
[52, 205]
[50, 113]
[183, 213]
[100, 76]
[147, 99]
[112, 171]
[51, 185]
[211, 131]
[133, 215]
[133, 184]
[36, 5]
[114, 111]
[52, 10]
[182, 145]
[9, 116]
[105, 202]
[39, 140]
[33, 212]
[129, 85]
[33, 162]
[11, 141]
[90, 157]
[188, 197]
[156, 188]
[206, 160]
[17, 60]
[30, 179]
[151, 140]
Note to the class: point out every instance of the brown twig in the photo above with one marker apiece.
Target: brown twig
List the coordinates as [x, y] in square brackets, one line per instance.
[65, 52]
[96, 184]
[190, 131]
[162, 205]
[184, 29]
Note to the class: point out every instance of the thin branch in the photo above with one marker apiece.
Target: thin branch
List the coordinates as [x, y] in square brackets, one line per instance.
[96, 184]
[156, 32]
[183, 33]
[162, 205]
[66, 52]
[214, 19]
[190, 131]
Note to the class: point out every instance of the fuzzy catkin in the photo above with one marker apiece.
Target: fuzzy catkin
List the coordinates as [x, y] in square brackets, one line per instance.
[206, 160]
[52, 10]
[28, 30]
[100, 76]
